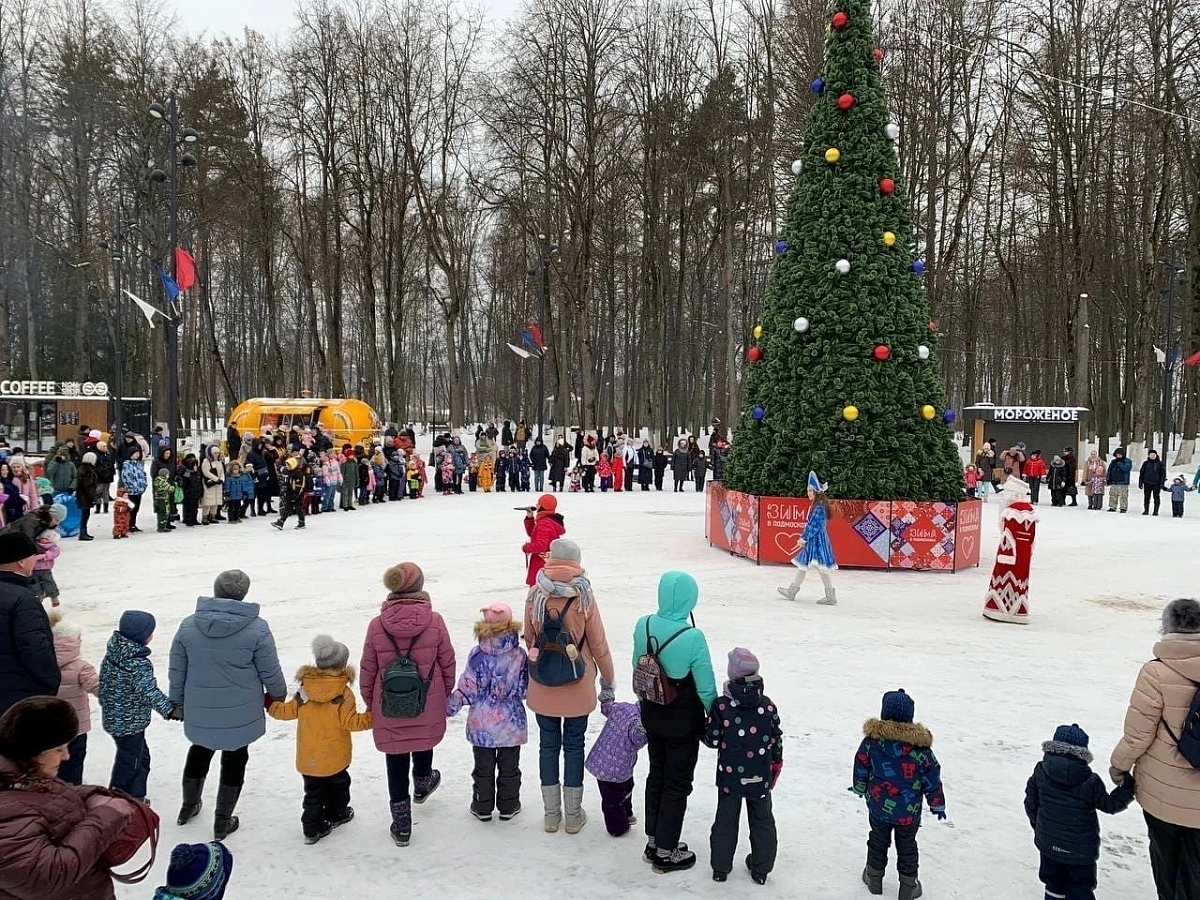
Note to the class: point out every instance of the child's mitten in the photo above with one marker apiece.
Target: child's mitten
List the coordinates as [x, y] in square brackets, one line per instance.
[607, 692]
[776, 768]
[939, 811]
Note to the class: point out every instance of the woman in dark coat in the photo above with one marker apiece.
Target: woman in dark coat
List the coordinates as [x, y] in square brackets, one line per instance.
[233, 442]
[560, 460]
[53, 835]
[681, 464]
[539, 458]
[87, 489]
[645, 458]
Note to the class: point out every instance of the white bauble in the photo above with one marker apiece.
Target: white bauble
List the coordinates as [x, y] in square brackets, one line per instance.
[842, 265]
[797, 166]
[801, 324]
[891, 131]
[923, 352]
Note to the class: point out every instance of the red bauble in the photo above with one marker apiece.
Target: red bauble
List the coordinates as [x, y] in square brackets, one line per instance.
[754, 354]
[881, 352]
[845, 102]
[933, 326]
[840, 19]
[878, 54]
[886, 185]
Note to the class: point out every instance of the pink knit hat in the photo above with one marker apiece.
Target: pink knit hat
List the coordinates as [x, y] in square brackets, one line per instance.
[497, 613]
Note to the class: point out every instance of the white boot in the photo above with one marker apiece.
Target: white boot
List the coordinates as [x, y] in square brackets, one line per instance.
[573, 807]
[552, 801]
[830, 598]
[794, 588]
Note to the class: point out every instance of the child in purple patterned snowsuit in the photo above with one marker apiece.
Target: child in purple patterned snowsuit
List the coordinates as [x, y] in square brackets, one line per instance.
[612, 760]
[494, 684]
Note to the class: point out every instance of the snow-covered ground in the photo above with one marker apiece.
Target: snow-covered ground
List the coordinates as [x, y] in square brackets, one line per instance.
[991, 693]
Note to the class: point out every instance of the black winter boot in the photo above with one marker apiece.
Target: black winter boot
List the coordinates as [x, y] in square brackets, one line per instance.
[873, 879]
[910, 888]
[401, 823]
[224, 821]
[193, 789]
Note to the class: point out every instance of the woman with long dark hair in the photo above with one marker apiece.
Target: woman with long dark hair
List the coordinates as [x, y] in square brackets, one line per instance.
[815, 551]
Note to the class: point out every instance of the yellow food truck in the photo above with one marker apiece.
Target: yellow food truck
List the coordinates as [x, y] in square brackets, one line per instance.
[345, 421]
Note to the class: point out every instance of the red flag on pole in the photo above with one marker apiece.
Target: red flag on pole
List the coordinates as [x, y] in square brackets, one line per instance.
[1193, 359]
[536, 334]
[185, 269]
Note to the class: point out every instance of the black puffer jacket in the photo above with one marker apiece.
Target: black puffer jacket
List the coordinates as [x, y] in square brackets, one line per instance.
[28, 667]
[1153, 474]
[1061, 799]
[87, 485]
[106, 470]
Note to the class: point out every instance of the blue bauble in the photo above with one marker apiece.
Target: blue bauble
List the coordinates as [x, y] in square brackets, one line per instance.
[918, 267]
[818, 86]
[759, 413]
[948, 417]
[780, 247]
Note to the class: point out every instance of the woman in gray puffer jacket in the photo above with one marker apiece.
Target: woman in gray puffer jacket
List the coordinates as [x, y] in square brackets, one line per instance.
[223, 660]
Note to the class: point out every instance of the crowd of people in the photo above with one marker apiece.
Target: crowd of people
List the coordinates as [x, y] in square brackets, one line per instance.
[1064, 478]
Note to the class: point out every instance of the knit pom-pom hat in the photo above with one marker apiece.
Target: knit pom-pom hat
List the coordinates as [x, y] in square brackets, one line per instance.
[329, 654]
[404, 578]
[1181, 617]
[197, 872]
[897, 706]
[1071, 734]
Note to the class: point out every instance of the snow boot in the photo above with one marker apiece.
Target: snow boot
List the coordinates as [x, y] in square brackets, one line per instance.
[830, 598]
[573, 808]
[401, 823]
[193, 788]
[277, 524]
[910, 888]
[343, 818]
[481, 816]
[720, 876]
[424, 785]
[510, 814]
[788, 593]
[224, 821]
[873, 879]
[552, 802]
[314, 838]
[649, 853]
[756, 877]
[676, 860]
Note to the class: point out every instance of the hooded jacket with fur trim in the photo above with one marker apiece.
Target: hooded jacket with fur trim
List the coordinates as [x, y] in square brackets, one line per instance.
[1168, 788]
[1061, 799]
[325, 712]
[895, 768]
[79, 677]
[494, 684]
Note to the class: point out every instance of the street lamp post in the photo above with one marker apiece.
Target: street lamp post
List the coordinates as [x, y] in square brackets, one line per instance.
[1169, 348]
[116, 250]
[544, 251]
[175, 136]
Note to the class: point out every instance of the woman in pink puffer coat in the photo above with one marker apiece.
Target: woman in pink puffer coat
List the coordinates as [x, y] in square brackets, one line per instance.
[79, 679]
[407, 625]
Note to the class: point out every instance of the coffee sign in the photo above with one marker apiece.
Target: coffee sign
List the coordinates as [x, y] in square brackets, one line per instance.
[54, 388]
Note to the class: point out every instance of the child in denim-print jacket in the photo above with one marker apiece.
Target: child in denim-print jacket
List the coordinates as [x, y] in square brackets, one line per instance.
[494, 684]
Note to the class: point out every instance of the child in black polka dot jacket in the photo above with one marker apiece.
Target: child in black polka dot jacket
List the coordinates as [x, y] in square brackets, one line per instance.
[743, 727]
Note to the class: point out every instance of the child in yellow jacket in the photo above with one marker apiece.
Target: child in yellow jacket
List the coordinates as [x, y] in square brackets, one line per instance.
[326, 712]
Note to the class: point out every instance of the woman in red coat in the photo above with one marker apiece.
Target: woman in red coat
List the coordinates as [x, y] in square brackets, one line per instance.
[52, 834]
[408, 626]
[544, 526]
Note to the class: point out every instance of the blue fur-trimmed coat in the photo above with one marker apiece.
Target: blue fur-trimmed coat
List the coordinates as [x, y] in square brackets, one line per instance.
[128, 689]
[895, 768]
[1061, 800]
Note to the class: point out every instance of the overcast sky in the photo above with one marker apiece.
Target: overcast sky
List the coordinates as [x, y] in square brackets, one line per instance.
[272, 17]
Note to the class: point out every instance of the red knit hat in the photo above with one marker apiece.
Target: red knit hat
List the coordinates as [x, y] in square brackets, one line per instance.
[547, 503]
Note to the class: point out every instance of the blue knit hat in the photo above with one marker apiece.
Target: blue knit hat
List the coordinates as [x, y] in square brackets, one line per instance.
[1071, 734]
[197, 872]
[136, 625]
[897, 706]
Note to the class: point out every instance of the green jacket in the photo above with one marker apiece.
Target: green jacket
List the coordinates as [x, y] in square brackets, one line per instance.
[677, 596]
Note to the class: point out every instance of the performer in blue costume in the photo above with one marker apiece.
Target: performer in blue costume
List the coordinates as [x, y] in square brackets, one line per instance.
[815, 549]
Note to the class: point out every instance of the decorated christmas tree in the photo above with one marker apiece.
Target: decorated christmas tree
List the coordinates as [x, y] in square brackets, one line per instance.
[843, 374]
